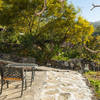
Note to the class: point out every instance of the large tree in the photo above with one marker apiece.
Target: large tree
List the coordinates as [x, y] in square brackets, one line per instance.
[46, 25]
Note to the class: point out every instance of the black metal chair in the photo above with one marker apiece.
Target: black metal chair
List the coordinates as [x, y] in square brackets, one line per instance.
[27, 66]
[13, 74]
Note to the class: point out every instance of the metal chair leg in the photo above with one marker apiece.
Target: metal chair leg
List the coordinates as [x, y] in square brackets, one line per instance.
[32, 77]
[1, 86]
[25, 80]
[7, 84]
[22, 87]
[25, 84]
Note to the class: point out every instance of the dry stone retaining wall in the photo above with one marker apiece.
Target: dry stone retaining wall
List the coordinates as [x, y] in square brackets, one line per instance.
[80, 65]
[18, 59]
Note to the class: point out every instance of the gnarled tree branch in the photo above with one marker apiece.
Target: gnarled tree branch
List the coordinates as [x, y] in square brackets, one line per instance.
[43, 9]
[94, 6]
[90, 50]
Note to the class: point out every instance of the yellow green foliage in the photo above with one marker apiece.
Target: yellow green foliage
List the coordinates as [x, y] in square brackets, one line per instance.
[82, 30]
[1, 4]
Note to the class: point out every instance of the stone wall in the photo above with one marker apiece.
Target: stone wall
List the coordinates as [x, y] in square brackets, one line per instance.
[14, 58]
[80, 65]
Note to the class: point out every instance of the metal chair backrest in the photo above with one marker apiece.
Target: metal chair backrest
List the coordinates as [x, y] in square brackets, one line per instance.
[11, 73]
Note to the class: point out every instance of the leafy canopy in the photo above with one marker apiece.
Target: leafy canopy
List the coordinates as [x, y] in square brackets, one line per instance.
[44, 34]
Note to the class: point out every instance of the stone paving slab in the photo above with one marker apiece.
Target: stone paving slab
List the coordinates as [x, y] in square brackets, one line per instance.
[69, 85]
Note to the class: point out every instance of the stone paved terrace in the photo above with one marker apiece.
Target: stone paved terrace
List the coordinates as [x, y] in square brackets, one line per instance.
[51, 84]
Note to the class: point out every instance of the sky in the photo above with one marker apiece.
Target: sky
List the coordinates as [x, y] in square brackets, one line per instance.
[85, 6]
